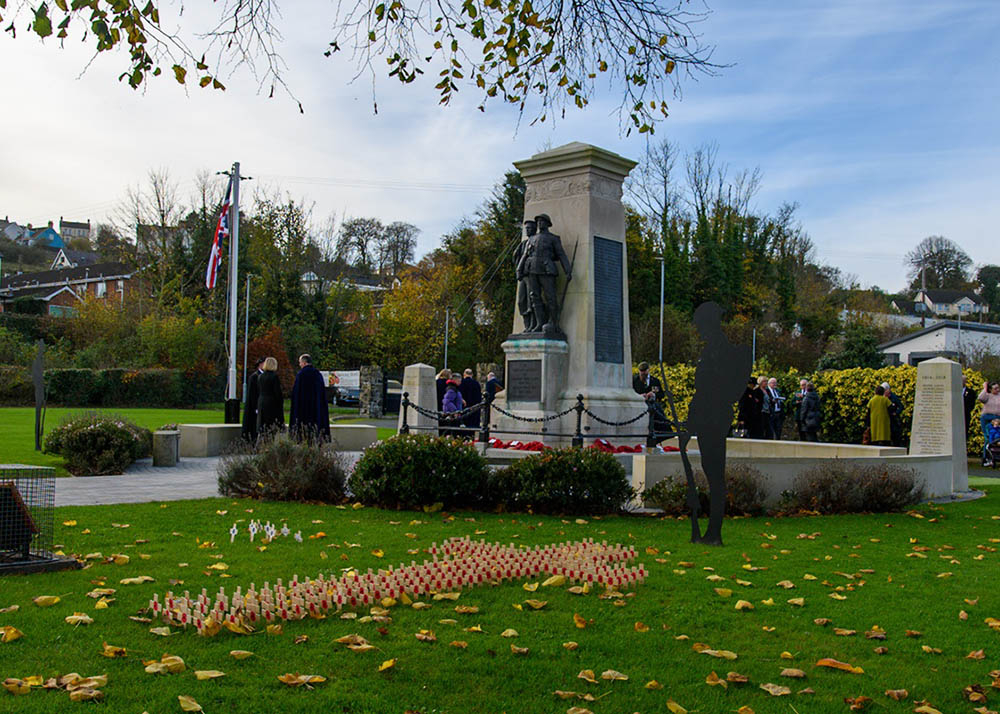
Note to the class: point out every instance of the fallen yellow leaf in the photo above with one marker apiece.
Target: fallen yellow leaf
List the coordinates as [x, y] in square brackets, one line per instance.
[676, 708]
[240, 654]
[45, 600]
[188, 704]
[203, 674]
[388, 664]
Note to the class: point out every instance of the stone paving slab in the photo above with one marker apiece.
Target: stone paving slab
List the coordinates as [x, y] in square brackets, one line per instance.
[142, 483]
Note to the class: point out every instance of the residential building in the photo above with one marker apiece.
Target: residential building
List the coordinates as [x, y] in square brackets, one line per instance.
[948, 302]
[73, 229]
[949, 338]
[67, 258]
[62, 290]
[46, 237]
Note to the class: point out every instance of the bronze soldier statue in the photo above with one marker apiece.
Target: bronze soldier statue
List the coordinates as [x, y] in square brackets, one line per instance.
[538, 263]
[523, 300]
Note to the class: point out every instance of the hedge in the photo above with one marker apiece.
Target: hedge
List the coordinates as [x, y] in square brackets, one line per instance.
[844, 395]
[112, 387]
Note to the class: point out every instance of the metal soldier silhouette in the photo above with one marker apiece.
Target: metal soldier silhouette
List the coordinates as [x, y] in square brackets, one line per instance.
[719, 380]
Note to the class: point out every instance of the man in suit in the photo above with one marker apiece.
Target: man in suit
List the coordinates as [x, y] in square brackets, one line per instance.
[250, 407]
[539, 263]
[776, 408]
[651, 390]
[523, 298]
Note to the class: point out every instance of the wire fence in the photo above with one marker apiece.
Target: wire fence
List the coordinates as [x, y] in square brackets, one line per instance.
[27, 507]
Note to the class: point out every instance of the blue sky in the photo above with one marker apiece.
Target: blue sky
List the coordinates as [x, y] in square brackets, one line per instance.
[878, 119]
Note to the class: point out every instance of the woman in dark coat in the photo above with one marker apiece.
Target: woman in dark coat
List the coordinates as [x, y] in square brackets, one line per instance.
[750, 406]
[270, 402]
[811, 413]
[250, 408]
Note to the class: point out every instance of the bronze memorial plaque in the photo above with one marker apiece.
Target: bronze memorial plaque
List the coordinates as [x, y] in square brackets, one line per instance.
[609, 337]
[524, 380]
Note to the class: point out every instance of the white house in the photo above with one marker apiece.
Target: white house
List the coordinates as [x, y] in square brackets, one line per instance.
[948, 338]
[949, 302]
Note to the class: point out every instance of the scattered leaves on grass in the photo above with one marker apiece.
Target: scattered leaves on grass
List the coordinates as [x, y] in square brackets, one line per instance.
[897, 694]
[514, 649]
[203, 674]
[301, 680]
[188, 704]
[10, 633]
[857, 704]
[675, 708]
[587, 675]
[612, 675]
[579, 620]
[570, 645]
[113, 651]
[713, 680]
[775, 690]
[793, 673]
[737, 678]
[836, 664]
[79, 618]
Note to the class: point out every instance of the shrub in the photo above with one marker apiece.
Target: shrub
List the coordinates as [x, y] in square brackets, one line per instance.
[95, 444]
[16, 389]
[414, 470]
[280, 468]
[745, 492]
[856, 488]
[670, 494]
[565, 481]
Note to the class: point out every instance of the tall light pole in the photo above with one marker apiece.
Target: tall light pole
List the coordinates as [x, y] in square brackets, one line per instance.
[660, 258]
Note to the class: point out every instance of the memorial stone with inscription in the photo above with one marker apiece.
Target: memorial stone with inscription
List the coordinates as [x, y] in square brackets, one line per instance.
[580, 187]
[938, 421]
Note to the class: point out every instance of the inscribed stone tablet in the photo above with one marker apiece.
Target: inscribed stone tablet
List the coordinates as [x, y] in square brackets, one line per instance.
[524, 380]
[609, 345]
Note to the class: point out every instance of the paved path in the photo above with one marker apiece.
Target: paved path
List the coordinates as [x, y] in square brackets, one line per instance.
[142, 483]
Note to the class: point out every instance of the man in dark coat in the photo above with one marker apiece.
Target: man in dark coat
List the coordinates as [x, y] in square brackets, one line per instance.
[651, 390]
[968, 403]
[472, 394]
[250, 403]
[310, 416]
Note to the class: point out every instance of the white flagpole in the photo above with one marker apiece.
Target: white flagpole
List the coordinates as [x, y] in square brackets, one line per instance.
[234, 252]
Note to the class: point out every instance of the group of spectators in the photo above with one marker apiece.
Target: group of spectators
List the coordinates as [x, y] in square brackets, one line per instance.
[455, 393]
[264, 410]
[763, 409]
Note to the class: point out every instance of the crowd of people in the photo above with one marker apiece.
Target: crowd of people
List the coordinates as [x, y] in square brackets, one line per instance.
[264, 411]
[456, 393]
[763, 410]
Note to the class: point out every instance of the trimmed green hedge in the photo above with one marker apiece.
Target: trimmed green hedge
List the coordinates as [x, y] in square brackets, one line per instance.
[112, 387]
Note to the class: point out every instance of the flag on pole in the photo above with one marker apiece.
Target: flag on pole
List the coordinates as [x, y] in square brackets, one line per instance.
[221, 234]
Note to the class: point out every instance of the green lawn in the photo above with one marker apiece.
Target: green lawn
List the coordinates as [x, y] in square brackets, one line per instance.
[17, 425]
[917, 571]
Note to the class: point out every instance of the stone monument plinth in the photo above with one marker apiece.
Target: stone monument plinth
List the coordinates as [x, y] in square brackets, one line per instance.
[418, 382]
[579, 187]
[938, 420]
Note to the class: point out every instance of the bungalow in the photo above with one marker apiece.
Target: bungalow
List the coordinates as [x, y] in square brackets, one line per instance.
[948, 338]
[61, 290]
[66, 258]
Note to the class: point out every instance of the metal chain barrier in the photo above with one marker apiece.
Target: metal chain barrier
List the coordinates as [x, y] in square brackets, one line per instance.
[533, 420]
[449, 415]
[644, 413]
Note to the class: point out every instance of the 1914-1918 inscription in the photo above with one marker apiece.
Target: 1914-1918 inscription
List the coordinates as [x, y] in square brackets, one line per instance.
[524, 380]
[609, 338]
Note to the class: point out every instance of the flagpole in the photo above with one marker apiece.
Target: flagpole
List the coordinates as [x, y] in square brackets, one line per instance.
[246, 339]
[232, 403]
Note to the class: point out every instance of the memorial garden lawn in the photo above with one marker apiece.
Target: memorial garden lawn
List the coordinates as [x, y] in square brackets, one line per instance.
[917, 571]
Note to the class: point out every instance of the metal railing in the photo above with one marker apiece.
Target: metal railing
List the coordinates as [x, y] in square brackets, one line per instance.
[659, 426]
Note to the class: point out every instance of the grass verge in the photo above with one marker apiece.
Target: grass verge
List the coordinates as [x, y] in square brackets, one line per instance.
[918, 572]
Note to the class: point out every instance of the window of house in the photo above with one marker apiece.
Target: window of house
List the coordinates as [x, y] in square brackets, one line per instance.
[102, 289]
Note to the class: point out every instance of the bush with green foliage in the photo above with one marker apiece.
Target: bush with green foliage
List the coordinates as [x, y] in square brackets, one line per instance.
[16, 389]
[745, 492]
[563, 481]
[838, 487]
[416, 470]
[165, 388]
[280, 468]
[95, 443]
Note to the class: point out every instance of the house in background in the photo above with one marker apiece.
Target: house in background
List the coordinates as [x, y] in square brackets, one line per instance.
[73, 229]
[42, 238]
[67, 258]
[11, 230]
[61, 291]
[948, 338]
[948, 303]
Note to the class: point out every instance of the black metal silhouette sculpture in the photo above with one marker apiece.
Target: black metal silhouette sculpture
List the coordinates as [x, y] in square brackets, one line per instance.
[718, 382]
[38, 378]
